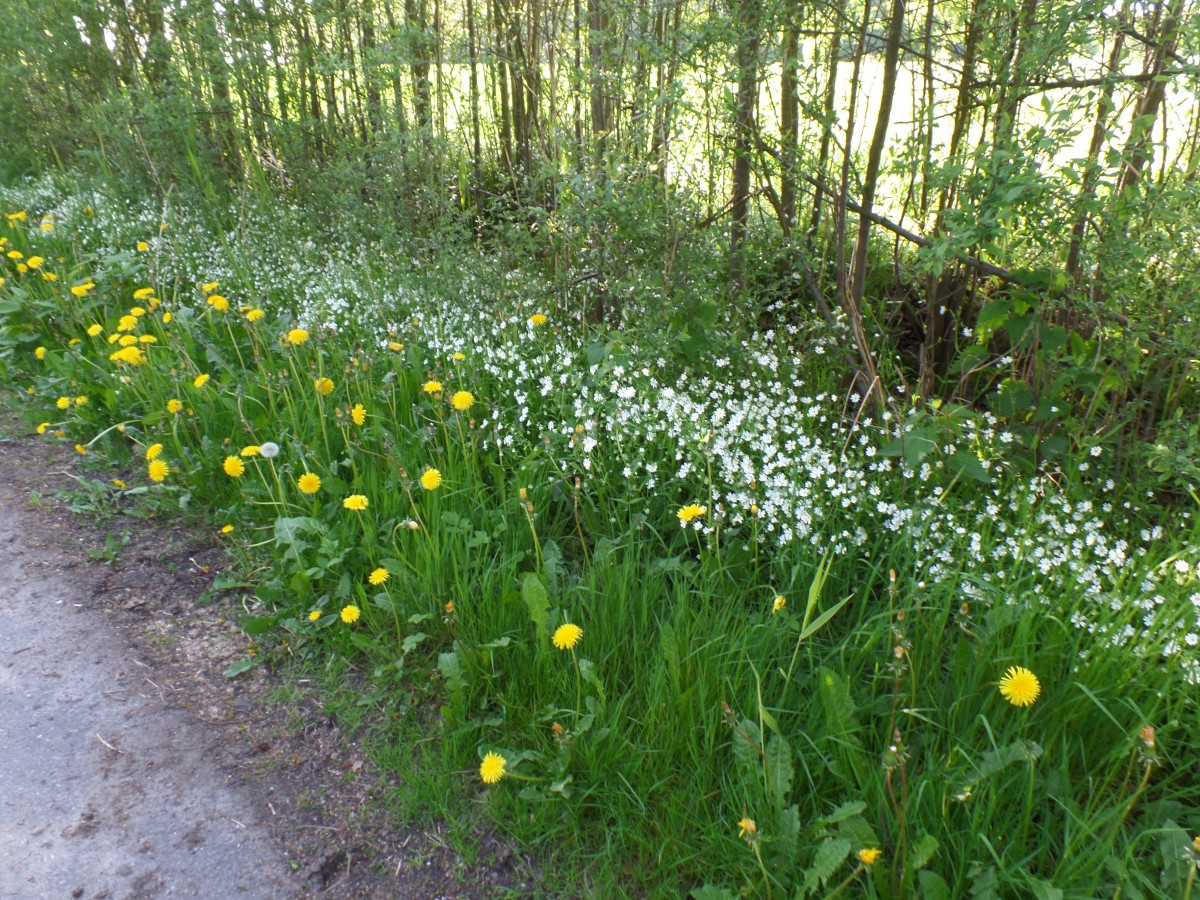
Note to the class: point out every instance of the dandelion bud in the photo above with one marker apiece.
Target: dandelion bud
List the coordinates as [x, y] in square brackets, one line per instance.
[523, 494]
[965, 609]
[901, 615]
[558, 730]
[1147, 735]
[529, 507]
[892, 575]
[579, 429]
[898, 652]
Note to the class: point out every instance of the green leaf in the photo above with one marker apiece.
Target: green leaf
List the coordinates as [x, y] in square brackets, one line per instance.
[537, 601]
[255, 625]
[933, 886]
[830, 855]
[242, 665]
[922, 852]
[451, 668]
[1043, 890]
[709, 892]
[965, 462]
[412, 642]
[843, 812]
[747, 747]
[779, 769]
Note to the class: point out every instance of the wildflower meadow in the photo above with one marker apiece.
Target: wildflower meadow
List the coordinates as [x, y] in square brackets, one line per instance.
[692, 620]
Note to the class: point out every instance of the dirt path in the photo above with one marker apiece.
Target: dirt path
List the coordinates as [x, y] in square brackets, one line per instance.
[130, 767]
[108, 792]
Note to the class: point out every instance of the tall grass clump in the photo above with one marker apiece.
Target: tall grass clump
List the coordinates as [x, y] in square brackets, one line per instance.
[720, 626]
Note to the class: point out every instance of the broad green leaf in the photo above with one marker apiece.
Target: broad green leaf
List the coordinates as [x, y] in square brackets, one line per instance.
[537, 601]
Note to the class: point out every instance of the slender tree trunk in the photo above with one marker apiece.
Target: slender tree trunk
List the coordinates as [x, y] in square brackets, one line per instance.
[746, 64]
[858, 278]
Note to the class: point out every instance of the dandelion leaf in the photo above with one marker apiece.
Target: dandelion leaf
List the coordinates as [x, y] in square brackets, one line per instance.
[779, 769]
[1041, 889]
[552, 567]
[604, 551]
[830, 855]
[787, 842]
[747, 748]
[922, 852]
[587, 671]
[537, 601]
[933, 886]
[843, 812]
[840, 711]
[290, 532]
[1173, 846]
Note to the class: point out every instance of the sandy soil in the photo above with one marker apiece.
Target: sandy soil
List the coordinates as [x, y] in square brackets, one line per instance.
[133, 768]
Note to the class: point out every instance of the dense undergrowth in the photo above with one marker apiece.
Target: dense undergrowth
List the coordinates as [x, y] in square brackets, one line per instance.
[695, 618]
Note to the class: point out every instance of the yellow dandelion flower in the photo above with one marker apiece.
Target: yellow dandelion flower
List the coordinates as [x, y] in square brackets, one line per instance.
[166, 318]
[117, 482]
[40, 352]
[209, 287]
[314, 615]
[350, 614]
[154, 451]
[41, 429]
[251, 450]
[147, 339]
[138, 311]
[80, 290]
[131, 355]
[379, 576]
[20, 216]
[49, 276]
[227, 529]
[1019, 686]
[254, 315]
[869, 857]
[127, 340]
[15, 254]
[431, 479]
[567, 636]
[34, 262]
[324, 386]
[95, 330]
[431, 387]
[158, 470]
[142, 246]
[690, 512]
[81, 450]
[538, 319]
[143, 293]
[462, 400]
[47, 226]
[297, 336]
[200, 380]
[82, 400]
[491, 769]
[358, 414]
[308, 483]
[355, 502]
[234, 467]
[458, 357]
[747, 828]
[219, 303]
[779, 603]
[63, 402]
[395, 347]
[174, 407]
[127, 323]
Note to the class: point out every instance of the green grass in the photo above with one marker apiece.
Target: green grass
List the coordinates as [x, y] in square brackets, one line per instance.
[861, 712]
